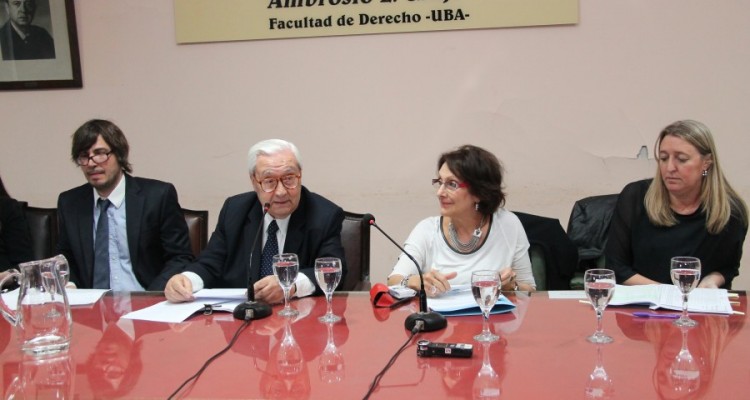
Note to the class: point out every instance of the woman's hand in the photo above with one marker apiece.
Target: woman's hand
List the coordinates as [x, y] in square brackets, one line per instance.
[507, 279]
[436, 283]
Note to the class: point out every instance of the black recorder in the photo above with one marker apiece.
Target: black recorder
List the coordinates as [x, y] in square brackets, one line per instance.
[425, 348]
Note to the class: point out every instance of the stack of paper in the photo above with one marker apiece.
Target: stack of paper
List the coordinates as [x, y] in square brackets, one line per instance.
[459, 301]
[700, 300]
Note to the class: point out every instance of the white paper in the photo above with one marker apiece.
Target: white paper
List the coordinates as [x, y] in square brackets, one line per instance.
[76, 297]
[669, 296]
[219, 299]
[567, 294]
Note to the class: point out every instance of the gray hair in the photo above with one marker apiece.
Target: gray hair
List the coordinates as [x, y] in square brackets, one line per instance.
[269, 147]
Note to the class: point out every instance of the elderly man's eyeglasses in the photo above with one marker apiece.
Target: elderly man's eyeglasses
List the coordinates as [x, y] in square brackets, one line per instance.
[98, 158]
[268, 185]
[450, 185]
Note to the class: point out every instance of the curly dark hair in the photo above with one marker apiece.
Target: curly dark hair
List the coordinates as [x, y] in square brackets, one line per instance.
[481, 171]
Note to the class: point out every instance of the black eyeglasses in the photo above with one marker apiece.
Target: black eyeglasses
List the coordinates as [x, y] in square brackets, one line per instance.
[99, 157]
[268, 185]
[450, 185]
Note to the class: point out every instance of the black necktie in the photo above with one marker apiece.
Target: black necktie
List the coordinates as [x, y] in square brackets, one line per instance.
[101, 247]
[269, 250]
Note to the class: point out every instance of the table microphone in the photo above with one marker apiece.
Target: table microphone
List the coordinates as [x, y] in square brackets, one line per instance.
[431, 321]
[252, 309]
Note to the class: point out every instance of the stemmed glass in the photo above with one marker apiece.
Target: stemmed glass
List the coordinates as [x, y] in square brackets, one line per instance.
[487, 383]
[331, 363]
[328, 274]
[485, 285]
[290, 359]
[286, 267]
[686, 272]
[599, 285]
[599, 385]
[684, 372]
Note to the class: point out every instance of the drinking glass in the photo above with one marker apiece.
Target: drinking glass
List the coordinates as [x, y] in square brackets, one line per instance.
[599, 285]
[684, 372]
[328, 275]
[599, 385]
[286, 267]
[487, 382]
[686, 272]
[485, 285]
[331, 363]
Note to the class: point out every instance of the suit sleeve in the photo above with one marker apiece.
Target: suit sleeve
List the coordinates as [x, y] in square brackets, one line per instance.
[15, 236]
[330, 246]
[174, 239]
[619, 249]
[63, 244]
[210, 264]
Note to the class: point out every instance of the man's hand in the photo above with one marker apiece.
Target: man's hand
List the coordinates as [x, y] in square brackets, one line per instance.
[268, 289]
[179, 289]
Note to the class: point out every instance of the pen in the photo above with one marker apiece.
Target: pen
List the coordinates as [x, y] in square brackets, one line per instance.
[644, 314]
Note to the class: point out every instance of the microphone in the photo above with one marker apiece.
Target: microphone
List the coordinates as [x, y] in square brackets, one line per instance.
[252, 309]
[431, 321]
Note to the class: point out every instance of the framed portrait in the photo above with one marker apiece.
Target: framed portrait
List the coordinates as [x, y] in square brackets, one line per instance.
[39, 45]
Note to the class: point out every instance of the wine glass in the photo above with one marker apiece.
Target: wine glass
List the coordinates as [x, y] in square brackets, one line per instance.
[487, 382]
[485, 285]
[684, 372]
[331, 363]
[599, 385]
[599, 285]
[328, 274]
[686, 272]
[286, 267]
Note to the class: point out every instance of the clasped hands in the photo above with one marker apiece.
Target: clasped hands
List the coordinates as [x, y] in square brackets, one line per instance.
[180, 289]
[436, 283]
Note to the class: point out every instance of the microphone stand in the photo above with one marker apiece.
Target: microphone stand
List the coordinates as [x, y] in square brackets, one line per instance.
[252, 309]
[430, 320]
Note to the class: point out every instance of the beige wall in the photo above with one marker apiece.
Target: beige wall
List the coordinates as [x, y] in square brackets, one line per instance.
[566, 108]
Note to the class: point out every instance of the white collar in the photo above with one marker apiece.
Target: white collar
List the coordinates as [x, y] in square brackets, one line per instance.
[117, 197]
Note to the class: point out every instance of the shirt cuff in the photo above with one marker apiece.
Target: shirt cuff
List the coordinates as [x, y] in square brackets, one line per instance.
[195, 280]
[305, 287]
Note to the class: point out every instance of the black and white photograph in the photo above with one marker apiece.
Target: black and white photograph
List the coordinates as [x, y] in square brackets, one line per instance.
[38, 45]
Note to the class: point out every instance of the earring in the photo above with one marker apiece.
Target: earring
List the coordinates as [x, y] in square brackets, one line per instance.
[476, 206]
[705, 173]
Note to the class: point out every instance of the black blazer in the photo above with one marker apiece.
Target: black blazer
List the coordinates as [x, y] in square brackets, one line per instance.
[157, 232]
[314, 231]
[15, 239]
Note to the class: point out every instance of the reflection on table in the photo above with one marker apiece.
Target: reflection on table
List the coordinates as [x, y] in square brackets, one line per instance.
[542, 353]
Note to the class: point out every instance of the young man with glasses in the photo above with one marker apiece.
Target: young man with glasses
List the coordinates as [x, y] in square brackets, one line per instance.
[300, 222]
[117, 231]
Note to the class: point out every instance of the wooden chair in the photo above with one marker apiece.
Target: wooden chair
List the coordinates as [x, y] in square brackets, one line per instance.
[197, 223]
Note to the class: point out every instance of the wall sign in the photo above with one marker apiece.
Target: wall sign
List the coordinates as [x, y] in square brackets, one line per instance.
[225, 20]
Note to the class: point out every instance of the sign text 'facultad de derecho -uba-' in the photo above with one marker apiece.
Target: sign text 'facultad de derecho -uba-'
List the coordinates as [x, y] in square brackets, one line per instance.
[222, 20]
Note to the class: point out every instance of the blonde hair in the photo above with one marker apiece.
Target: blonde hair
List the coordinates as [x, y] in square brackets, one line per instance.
[718, 198]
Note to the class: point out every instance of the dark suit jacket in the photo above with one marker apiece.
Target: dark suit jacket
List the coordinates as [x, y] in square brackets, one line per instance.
[15, 239]
[38, 45]
[314, 231]
[157, 232]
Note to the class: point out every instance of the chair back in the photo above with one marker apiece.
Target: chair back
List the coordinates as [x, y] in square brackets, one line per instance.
[355, 237]
[197, 223]
[553, 256]
[43, 229]
[588, 227]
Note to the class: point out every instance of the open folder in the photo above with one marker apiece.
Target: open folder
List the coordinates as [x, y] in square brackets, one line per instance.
[459, 301]
[669, 297]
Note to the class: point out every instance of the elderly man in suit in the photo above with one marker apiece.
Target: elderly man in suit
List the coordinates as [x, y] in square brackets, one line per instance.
[118, 231]
[297, 221]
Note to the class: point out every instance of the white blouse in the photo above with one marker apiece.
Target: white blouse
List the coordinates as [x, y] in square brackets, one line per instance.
[506, 246]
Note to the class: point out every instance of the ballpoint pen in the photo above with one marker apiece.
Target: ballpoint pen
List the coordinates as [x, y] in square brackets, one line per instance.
[646, 314]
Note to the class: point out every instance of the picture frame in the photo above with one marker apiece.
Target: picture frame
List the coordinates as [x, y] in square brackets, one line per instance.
[38, 64]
